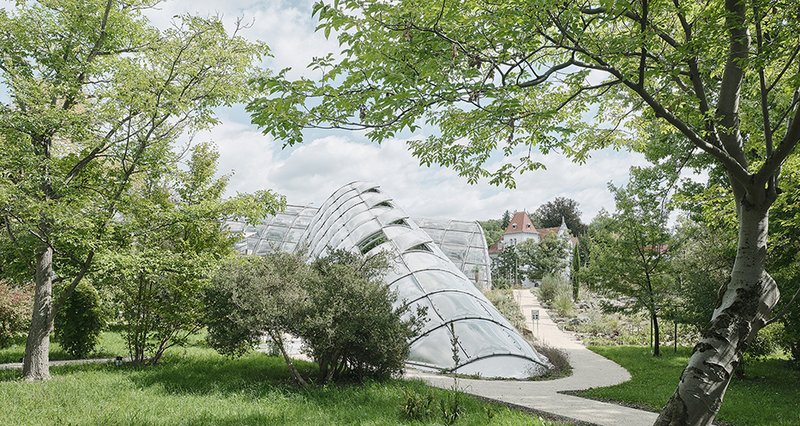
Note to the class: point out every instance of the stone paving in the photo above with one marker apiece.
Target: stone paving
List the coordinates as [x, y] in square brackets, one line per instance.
[589, 370]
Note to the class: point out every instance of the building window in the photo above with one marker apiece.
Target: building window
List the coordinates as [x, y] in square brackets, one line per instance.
[401, 222]
[371, 241]
[514, 226]
[420, 247]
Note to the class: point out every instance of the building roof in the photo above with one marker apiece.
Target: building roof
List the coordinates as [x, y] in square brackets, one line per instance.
[520, 223]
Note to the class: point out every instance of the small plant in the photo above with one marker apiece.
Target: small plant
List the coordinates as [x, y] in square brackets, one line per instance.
[558, 358]
[563, 305]
[417, 407]
[489, 410]
[452, 406]
[551, 287]
[15, 311]
[80, 320]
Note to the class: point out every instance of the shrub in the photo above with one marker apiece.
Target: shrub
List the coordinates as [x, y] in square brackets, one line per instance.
[504, 301]
[563, 304]
[80, 320]
[552, 286]
[558, 358]
[767, 341]
[16, 304]
[158, 296]
[339, 306]
[351, 327]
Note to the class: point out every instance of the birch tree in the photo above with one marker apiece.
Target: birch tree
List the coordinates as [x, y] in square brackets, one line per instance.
[523, 77]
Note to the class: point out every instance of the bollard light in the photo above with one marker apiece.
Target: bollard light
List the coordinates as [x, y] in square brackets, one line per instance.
[118, 361]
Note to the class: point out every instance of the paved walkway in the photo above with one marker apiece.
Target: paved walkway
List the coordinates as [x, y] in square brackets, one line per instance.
[588, 370]
[18, 365]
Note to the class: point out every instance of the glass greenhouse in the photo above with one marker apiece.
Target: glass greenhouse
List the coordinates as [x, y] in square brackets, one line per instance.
[438, 264]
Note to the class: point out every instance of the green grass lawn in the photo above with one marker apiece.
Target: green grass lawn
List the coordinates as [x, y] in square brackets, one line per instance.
[111, 344]
[195, 385]
[768, 395]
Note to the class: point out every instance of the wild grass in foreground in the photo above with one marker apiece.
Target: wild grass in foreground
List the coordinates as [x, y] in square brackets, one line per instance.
[196, 386]
[768, 395]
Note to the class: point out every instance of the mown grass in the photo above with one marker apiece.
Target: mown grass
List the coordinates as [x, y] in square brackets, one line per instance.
[111, 344]
[194, 385]
[768, 395]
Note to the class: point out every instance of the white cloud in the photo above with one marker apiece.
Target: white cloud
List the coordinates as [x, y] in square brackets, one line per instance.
[286, 26]
[310, 172]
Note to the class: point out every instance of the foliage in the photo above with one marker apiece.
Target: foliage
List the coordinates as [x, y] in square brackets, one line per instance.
[551, 213]
[506, 266]
[252, 296]
[558, 358]
[701, 264]
[492, 230]
[766, 343]
[505, 220]
[503, 300]
[167, 245]
[549, 255]
[350, 324]
[563, 304]
[575, 271]
[551, 287]
[629, 255]
[338, 305]
[98, 96]
[713, 88]
[784, 260]
[417, 407]
[766, 397]
[15, 307]
[80, 321]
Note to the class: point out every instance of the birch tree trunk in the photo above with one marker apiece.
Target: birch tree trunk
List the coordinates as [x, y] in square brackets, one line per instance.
[741, 312]
[36, 365]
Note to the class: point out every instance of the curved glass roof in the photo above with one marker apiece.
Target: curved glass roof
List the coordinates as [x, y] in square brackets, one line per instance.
[436, 264]
[463, 242]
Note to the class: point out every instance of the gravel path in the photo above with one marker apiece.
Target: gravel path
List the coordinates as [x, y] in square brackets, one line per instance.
[589, 370]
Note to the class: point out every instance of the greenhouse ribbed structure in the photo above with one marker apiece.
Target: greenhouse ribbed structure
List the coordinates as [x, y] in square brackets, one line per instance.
[437, 264]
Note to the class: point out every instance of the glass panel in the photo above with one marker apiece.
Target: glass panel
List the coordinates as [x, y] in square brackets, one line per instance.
[457, 238]
[276, 233]
[430, 350]
[422, 261]
[406, 289]
[440, 280]
[455, 305]
[482, 338]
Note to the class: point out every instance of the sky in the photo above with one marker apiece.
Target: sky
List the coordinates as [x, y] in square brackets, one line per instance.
[308, 173]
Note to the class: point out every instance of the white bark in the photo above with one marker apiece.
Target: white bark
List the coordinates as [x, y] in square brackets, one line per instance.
[740, 313]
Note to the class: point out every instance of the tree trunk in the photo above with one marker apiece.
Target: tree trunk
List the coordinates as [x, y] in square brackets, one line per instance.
[741, 312]
[36, 365]
[276, 337]
[656, 335]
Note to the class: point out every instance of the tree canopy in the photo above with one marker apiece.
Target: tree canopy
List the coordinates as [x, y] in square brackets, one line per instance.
[713, 85]
[98, 97]
[551, 213]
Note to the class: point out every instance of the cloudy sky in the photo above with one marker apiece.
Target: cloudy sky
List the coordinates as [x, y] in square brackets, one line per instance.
[309, 172]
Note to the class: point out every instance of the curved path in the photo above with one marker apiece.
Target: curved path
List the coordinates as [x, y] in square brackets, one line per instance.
[588, 370]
